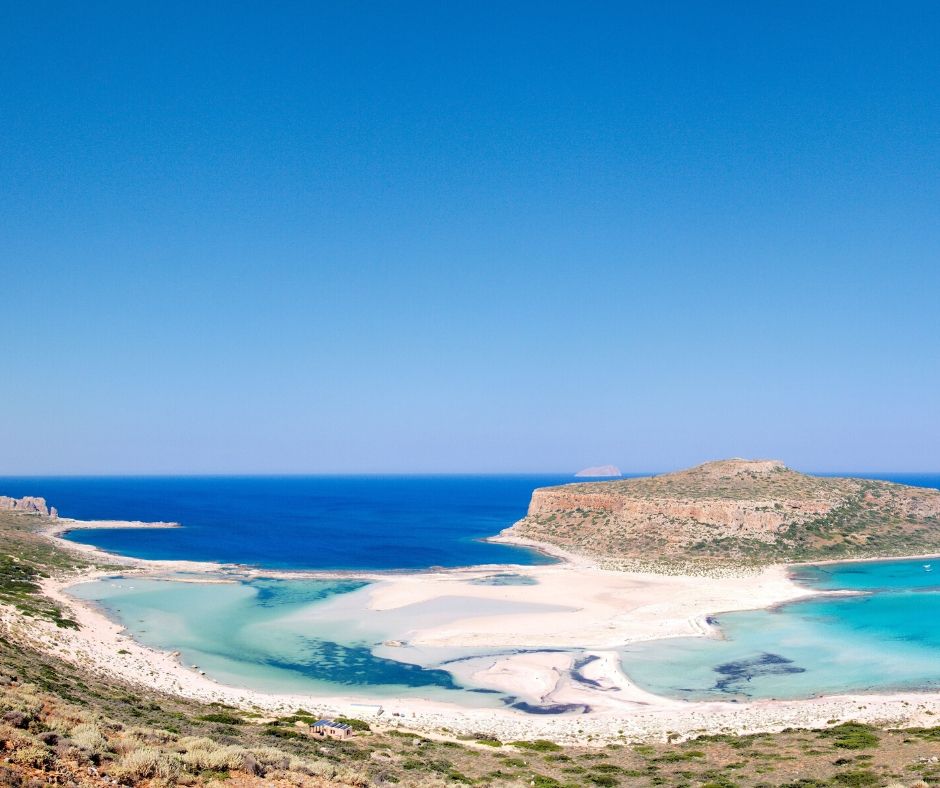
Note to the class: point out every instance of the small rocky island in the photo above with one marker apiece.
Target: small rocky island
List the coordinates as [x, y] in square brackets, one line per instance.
[734, 511]
[598, 472]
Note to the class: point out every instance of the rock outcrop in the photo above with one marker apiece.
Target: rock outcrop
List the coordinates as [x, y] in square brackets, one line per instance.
[735, 510]
[27, 504]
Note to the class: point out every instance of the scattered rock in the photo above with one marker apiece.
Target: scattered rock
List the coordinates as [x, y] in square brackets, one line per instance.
[16, 719]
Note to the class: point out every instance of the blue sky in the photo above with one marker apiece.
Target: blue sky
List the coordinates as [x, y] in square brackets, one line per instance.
[363, 237]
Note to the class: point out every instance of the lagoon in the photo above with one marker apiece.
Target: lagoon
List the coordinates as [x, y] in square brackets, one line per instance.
[886, 637]
[299, 636]
[320, 637]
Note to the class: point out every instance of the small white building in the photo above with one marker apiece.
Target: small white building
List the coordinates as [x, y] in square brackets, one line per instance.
[329, 729]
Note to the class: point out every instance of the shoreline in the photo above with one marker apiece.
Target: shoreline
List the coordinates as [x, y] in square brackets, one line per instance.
[64, 525]
[618, 704]
[878, 559]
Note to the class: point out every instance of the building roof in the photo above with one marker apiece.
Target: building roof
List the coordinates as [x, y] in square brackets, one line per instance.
[331, 724]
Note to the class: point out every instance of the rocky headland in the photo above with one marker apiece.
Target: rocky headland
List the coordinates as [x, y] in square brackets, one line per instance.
[28, 504]
[733, 512]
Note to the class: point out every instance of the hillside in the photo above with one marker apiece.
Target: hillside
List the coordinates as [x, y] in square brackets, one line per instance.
[732, 512]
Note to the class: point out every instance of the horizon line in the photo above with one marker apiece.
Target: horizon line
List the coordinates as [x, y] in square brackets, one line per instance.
[414, 474]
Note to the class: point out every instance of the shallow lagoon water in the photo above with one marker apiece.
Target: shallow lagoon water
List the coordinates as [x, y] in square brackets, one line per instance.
[887, 637]
[303, 636]
[902, 575]
[310, 636]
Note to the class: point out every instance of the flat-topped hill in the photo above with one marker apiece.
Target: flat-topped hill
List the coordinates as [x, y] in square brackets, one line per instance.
[734, 511]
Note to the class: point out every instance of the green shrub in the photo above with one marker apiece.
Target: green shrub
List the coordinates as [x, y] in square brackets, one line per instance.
[538, 745]
[356, 725]
[222, 717]
[720, 781]
[856, 779]
[284, 733]
[852, 736]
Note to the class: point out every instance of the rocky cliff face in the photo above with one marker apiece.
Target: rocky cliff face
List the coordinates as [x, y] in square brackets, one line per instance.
[760, 519]
[735, 510]
[27, 504]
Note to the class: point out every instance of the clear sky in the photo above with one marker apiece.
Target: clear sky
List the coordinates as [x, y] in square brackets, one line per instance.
[397, 237]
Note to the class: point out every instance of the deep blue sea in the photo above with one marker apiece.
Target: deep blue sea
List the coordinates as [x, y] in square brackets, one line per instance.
[310, 522]
[301, 522]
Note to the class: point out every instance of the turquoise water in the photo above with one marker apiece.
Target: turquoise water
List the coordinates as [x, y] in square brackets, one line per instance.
[886, 637]
[320, 637]
[298, 636]
[505, 579]
[917, 573]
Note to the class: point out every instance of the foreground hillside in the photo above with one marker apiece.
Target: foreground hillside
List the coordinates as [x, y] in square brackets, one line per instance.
[60, 727]
[734, 511]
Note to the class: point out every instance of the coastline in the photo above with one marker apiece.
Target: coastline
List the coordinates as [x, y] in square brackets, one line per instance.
[874, 560]
[64, 525]
[662, 606]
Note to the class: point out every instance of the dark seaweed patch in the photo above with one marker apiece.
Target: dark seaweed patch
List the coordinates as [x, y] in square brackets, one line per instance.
[357, 666]
[504, 579]
[743, 670]
[551, 708]
[577, 675]
[507, 653]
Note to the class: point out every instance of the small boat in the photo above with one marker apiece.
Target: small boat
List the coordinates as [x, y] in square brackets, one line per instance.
[927, 567]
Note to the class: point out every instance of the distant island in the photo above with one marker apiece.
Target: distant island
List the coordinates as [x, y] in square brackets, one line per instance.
[732, 512]
[599, 471]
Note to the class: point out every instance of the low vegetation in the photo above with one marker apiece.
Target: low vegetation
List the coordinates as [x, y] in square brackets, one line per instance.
[60, 727]
[26, 558]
